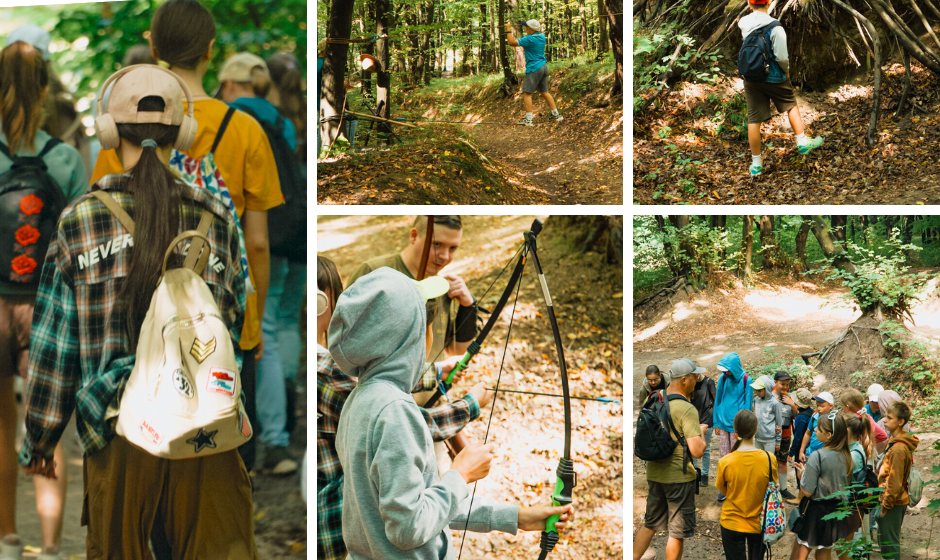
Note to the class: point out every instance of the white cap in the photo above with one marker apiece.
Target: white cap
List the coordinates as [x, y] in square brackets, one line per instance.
[825, 396]
[873, 391]
[32, 35]
[533, 24]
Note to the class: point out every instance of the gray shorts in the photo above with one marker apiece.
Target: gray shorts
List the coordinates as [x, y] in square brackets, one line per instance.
[537, 80]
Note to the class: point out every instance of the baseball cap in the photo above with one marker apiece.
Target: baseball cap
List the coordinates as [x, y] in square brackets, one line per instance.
[32, 35]
[802, 397]
[873, 391]
[759, 383]
[433, 287]
[239, 67]
[825, 396]
[146, 80]
[531, 24]
[683, 367]
[781, 376]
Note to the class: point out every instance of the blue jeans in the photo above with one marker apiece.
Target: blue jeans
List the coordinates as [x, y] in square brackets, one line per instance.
[282, 347]
[706, 457]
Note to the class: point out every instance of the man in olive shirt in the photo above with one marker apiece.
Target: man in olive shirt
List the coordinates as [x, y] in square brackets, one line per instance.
[670, 504]
[455, 325]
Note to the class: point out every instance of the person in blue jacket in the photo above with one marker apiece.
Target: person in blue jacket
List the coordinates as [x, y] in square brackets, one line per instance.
[732, 395]
[536, 68]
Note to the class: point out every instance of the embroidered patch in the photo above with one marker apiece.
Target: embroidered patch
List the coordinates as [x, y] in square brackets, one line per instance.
[150, 433]
[203, 439]
[221, 381]
[182, 384]
[202, 350]
[243, 426]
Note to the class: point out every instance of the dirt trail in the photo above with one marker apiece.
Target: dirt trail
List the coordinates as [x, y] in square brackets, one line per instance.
[791, 318]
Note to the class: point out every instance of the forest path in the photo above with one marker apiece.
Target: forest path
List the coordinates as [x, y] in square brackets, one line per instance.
[686, 148]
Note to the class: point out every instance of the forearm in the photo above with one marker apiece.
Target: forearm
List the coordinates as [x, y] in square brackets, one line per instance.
[259, 254]
[447, 420]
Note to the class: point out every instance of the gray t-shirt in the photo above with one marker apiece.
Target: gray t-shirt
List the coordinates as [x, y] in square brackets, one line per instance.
[826, 473]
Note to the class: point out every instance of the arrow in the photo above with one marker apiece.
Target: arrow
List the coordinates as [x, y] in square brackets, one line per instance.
[601, 399]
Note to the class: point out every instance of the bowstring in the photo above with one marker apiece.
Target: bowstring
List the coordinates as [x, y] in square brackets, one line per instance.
[493, 404]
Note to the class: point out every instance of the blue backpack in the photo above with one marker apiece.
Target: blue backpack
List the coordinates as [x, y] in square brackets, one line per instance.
[756, 59]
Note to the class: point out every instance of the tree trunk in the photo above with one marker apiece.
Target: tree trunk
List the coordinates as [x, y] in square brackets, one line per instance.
[686, 250]
[333, 94]
[417, 62]
[570, 32]
[584, 43]
[829, 248]
[367, 48]
[838, 228]
[509, 77]
[747, 248]
[484, 40]
[801, 236]
[383, 78]
[603, 41]
[768, 243]
[667, 245]
[718, 222]
[616, 41]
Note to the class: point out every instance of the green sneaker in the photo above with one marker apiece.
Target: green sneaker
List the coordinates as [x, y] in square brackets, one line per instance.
[756, 170]
[811, 145]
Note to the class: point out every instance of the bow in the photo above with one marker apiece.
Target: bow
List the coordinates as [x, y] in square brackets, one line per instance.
[565, 476]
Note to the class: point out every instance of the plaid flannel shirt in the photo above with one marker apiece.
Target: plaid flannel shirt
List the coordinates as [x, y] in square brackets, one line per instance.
[333, 388]
[79, 357]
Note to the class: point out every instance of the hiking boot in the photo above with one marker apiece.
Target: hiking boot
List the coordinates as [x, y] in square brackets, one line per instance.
[756, 170]
[811, 145]
[555, 118]
[11, 548]
[279, 461]
[787, 495]
[703, 483]
[525, 122]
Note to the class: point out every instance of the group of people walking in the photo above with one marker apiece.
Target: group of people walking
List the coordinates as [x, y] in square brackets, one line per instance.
[172, 159]
[763, 431]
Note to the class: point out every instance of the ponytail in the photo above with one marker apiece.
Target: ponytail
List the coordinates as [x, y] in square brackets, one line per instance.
[23, 77]
[157, 198]
[745, 427]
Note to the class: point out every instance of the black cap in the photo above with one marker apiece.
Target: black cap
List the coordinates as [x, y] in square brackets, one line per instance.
[781, 376]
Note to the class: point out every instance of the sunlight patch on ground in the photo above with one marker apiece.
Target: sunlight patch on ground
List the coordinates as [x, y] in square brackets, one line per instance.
[682, 311]
[617, 123]
[780, 306]
[848, 91]
[330, 234]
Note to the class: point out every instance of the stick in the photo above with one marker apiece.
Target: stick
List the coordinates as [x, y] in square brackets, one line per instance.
[373, 117]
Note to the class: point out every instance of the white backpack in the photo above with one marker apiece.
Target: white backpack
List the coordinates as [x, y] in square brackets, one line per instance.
[182, 399]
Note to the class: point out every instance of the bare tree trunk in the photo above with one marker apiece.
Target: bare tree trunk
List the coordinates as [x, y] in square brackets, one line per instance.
[876, 90]
[570, 33]
[602, 42]
[768, 243]
[747, 248]
[616, 41]
[368, 10]
[686, 249]
[584, 41]
[801, 236]
[484, 40]
[838, 228]
[829, 248]
[509, 77]
[333, 94]
[383, 78]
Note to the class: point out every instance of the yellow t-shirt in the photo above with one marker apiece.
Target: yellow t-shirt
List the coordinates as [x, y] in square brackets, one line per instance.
[745, 474]
[245, 159]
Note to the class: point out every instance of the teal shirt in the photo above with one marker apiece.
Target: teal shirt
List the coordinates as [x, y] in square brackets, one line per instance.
[65, 165]
[534, 46]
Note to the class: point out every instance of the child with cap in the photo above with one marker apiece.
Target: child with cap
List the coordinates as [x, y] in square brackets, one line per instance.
[776, 88]
[769, 417]
[536, 68]
[89, 311]
[788, 410]
[872, 408]
[804, 402]
[395, 503]
[825, 403]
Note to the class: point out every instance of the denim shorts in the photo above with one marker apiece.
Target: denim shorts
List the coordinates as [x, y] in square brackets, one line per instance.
[537, 80]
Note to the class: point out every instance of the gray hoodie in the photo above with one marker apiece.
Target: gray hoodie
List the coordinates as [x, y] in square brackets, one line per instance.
[778, 37]
[394, 503]
[769, 413]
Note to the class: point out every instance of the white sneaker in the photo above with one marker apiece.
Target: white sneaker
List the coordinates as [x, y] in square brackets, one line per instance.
[555, 118]
[11, 548]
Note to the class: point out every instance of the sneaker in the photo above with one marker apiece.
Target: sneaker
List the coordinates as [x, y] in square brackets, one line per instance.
[555, 118]
[811, 145]
[50, 553]
[756, 170]
[279, 461]
[11, 548]
[703, 483]
[525, 122]
[787, 495]
[721, 497]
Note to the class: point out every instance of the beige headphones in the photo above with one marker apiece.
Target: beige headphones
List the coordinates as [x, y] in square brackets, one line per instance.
[106, 128]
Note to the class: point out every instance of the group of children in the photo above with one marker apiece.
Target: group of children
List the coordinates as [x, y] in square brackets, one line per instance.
[828, 448]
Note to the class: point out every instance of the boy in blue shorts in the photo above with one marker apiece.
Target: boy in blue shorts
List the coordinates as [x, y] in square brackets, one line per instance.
[536, 68]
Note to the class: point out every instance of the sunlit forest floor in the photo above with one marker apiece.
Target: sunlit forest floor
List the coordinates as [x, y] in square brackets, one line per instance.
[577, 161]
[691, 146]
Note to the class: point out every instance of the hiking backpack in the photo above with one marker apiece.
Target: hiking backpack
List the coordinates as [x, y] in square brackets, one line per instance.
[863, 489]
[183, 397]
[653, 441]
[772, 516]
[756, 55]
[204, 173]
[287, 223]
[30, 204]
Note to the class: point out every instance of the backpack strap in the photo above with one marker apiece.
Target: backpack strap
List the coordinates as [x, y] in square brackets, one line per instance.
[116, 209]
[196, 258]
[680, 438]
[222, 127]
[52, 143]
[179, 238]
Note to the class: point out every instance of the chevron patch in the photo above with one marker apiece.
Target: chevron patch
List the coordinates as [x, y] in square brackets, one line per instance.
[202, 350]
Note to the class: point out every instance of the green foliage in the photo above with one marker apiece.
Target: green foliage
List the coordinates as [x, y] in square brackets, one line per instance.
[730, 114]
[913, 358]
[801, 373]
[880, 279]
[705, 248]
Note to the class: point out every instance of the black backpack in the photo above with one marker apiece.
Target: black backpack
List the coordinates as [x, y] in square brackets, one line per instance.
[864, 488]
[652, 441]
[756, 54]
[287, 223]
[30, 204]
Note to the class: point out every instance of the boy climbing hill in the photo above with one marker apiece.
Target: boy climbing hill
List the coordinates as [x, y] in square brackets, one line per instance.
[536, 68]
[774, 86]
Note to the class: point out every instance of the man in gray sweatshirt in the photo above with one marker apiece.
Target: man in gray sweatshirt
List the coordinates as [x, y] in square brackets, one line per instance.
[395, 505]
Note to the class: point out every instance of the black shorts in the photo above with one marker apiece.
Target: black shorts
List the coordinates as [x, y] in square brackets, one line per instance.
[784, 450]
[760, 94]
[671, 507]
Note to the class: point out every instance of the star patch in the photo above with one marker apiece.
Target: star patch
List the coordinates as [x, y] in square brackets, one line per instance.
[202, 350]
[203, 439]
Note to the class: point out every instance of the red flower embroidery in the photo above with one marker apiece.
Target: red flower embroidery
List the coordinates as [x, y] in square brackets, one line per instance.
[27, 235]
[31, 204]
[23, 265]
